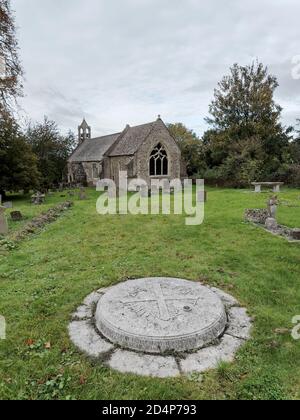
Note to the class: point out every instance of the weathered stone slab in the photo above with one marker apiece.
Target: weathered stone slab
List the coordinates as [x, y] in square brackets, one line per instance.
[92, 299]
[157, 311]
[228, 300]
[8, 205]
[3, 221]
[157, 315]
[144, 364]
[239, 323]
[83, 312]
[210, 357]
[87, 340]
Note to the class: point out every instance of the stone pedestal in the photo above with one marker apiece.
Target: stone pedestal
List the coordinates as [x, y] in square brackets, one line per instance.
[3, 222]
[258, 188]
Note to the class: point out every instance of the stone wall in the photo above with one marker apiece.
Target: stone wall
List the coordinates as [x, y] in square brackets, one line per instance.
[83, 173]
[174, 155]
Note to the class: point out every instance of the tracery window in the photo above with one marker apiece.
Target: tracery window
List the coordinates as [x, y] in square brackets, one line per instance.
[159, 164]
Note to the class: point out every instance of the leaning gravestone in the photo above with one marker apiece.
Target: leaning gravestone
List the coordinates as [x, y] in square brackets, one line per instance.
[160, 326]
[3, 221]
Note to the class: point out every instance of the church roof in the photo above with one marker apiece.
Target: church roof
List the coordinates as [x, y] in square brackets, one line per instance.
[93, 149]
[126, 143]
[131, 139]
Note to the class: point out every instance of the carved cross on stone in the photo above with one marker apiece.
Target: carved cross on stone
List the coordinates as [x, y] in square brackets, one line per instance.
[161, 301]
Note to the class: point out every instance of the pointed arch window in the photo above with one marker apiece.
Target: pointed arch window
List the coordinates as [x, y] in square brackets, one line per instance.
[159, 164]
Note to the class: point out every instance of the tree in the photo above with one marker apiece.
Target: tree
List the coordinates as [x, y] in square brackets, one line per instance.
[52, 150]
[18, 164]
[11, 71]
[247, 141]
[191, 148]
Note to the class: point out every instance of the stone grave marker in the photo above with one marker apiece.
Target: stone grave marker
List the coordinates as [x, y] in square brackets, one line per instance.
[160, 327]
[38, 198]
[8, 205]
[3, 221]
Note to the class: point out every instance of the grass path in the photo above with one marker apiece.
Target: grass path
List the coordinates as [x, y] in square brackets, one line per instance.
[49, 274]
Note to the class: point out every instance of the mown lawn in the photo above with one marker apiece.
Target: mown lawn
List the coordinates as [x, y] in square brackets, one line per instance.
[48, 275]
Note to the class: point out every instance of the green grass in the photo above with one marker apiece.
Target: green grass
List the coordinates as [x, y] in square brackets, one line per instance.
[50, 273]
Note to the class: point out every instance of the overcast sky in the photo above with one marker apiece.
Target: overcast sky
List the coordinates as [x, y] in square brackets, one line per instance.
[126, 61]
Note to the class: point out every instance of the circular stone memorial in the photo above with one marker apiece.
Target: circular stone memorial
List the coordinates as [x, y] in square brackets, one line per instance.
[160, 327]
[156, 316]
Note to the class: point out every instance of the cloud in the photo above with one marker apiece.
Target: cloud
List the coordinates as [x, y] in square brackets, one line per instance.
[125, 62]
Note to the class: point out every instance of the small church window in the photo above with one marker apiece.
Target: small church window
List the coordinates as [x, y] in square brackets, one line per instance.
[159, 164]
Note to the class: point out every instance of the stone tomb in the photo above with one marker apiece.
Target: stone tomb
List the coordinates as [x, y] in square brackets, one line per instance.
[160, 326]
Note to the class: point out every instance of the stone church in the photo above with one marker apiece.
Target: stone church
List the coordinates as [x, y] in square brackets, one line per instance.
[146, 151]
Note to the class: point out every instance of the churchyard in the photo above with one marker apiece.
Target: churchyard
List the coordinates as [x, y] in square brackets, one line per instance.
[46, 276]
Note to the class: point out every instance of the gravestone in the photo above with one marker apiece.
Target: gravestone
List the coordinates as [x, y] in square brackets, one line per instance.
[3, 221]
[38, 198]
[8, 205]
[16, 216]
[272, 204]
[156, 316]
[161, 327]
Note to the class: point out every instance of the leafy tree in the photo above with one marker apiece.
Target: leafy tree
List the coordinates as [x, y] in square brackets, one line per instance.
[52, 150]
[18, 164]
[247, 141]
[10, 81]
[191, 148]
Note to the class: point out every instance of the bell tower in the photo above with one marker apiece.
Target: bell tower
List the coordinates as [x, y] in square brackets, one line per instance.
[84, 132]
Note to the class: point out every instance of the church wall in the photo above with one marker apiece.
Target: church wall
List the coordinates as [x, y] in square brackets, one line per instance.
[113, 165]
[83, 172]
[160, 135]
